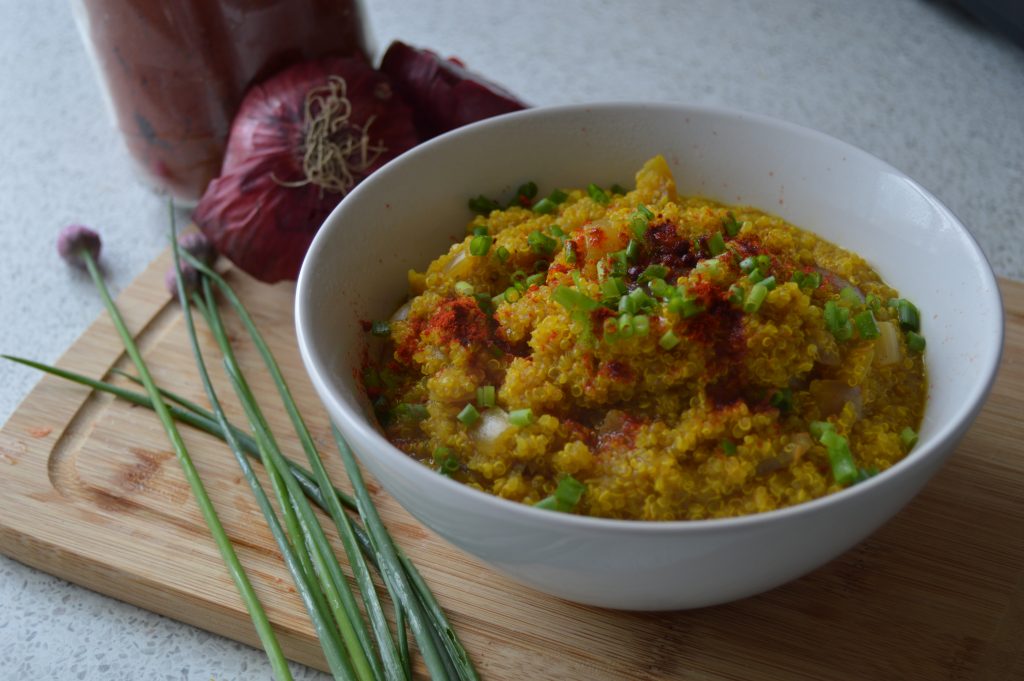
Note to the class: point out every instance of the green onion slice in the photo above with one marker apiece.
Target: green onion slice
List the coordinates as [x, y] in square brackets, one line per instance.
[755, 298]
[597, 194]
[566, 496]
[486, 396]
[915, 342]
[521, 417]
[716, 244]
[545, 206]
[480, 244]
[469, 415]
[541, 243]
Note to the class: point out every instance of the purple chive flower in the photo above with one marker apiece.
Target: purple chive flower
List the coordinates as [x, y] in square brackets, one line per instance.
[199, 247]
[73, 240]
[189, 277]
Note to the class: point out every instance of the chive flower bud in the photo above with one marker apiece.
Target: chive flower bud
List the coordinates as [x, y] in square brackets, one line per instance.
[199, 247]
[73, 240]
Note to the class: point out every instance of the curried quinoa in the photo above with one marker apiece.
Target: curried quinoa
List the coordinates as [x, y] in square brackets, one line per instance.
[641, 355]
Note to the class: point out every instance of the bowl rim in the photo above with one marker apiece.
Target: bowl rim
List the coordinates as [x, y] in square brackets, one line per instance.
[315, 367]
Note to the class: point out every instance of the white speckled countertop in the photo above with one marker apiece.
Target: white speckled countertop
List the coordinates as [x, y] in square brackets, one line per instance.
[912, 82]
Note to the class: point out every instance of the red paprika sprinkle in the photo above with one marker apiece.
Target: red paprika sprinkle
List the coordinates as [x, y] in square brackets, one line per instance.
[460, 319]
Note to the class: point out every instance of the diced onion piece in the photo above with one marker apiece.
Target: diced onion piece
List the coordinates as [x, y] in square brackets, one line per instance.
[887, 345]
[401, 313]
[492, 424]
[832, 396]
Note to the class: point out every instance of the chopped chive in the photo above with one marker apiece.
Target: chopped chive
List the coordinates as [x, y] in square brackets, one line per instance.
[557, 232]
[502, 253]
[521, 417]
[818, 428]
[632, 250]
[597, 194]
[536, 279]
[612, 289]
[483, 301]
[709, 266]
[541, 243]
[865, 473]
[873, 302]
[483, 205]
[464, 288]
[545, 206]
[660, 288]
[798, 277]
[469, 415]
[653, 272]
[668, 340]
[441, 453]
[915, 342]
[716, 244]
[731, 224]
[449, 466]
[479, 230]
[908, 437]
[748, 265]
[640, 299]
[577, 278]
[645, 211]
[638, 223]
[910, 318]
[480, 244]
[486, 396]
[729, 447]
[756, 275]
[736, 294]
[641, 324]
[566, 496]
[412, 411]
[782, 400]
[752, 303]
[511, 294]
[619, 189]
[763, 261]
[769, 282]
[811, 280]
[844, 470]
[837, 321]
[572, 299]
[557, 196]
[618, 262]
[380, 329]
[866, 325]
[850, 295]
[626, 328]
[684, 306]
[610, 328]
[527, 190]
[570, 252]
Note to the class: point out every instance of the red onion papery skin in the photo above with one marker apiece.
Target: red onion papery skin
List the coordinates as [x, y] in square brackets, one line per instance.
[443, 93]
[263, 227]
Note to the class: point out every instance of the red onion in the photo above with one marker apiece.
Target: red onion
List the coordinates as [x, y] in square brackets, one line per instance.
[300, 142]
[444, 93]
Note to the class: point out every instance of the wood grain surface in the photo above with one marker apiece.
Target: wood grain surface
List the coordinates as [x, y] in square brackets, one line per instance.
[90, 491]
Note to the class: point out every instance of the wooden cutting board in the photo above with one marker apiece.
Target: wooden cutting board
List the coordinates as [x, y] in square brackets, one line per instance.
[90, 491]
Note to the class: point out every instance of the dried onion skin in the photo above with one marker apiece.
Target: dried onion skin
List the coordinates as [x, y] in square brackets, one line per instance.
[443, 92]
[263, 210]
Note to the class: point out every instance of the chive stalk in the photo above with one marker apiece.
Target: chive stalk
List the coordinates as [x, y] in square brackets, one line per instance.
[315, 607]
[259, 617]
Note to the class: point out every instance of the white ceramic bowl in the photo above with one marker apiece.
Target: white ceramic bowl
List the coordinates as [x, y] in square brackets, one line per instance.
[407, 213]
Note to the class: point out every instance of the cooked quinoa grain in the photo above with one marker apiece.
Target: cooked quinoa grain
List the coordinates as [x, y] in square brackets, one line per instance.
[661, 357]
